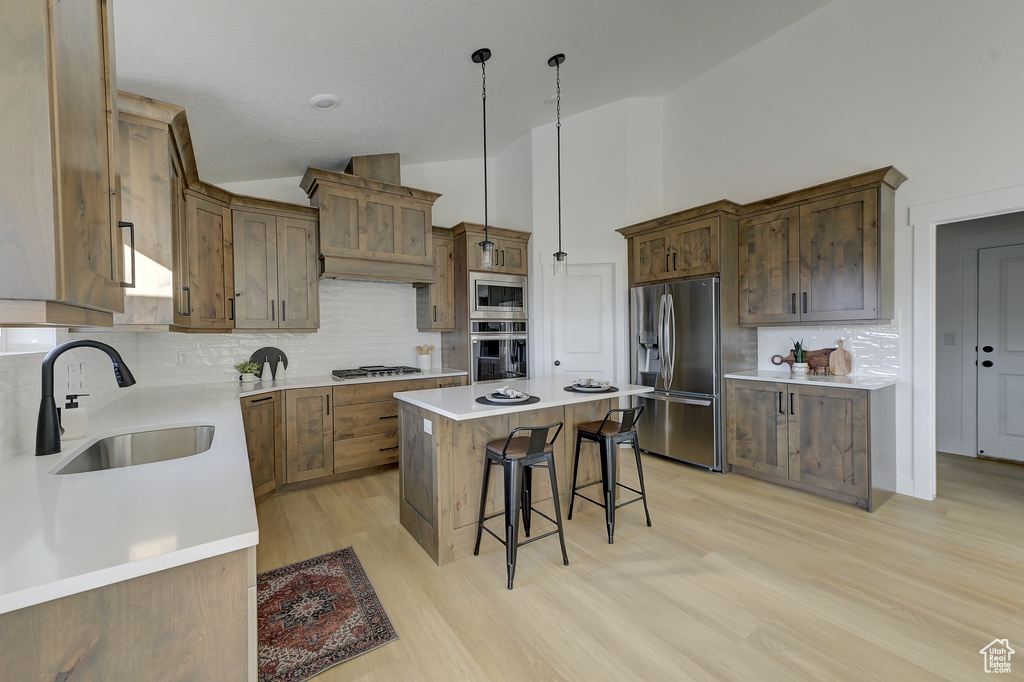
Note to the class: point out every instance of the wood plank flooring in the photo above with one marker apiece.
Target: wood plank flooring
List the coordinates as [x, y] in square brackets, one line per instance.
[738, 579]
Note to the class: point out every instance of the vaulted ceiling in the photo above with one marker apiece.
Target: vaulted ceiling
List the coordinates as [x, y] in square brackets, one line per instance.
[245, 70]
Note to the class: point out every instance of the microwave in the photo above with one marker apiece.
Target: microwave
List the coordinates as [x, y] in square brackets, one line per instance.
[497, 296]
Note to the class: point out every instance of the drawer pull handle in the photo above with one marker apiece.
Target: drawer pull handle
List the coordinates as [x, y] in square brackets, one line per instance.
[386, 449]
[262, 400]
[390, 416]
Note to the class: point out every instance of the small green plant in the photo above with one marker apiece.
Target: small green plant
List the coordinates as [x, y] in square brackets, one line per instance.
[248, 367]
[798, 350]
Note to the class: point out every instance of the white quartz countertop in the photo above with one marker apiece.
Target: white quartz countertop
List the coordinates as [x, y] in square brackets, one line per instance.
[329, 380]
[459, 402]
[787, 377]
[60, 535]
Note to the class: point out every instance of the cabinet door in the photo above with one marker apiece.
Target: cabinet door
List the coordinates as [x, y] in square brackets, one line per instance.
[297, 274]
[651, 257]
[255, 269]
[309, 434]
[435, 304]
[512, 257]
[756, 434]
[210, 277]
[693, 249]
[828, 438]
[339, 220]
[85, 131]
[264, 439]
[769, 267]
[413, 242]
[839, 258]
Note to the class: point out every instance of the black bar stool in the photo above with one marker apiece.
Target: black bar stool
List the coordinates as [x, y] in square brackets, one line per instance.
[609, 434]
[518, 456]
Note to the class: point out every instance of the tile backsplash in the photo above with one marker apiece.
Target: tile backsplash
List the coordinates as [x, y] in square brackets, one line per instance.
[874, 348]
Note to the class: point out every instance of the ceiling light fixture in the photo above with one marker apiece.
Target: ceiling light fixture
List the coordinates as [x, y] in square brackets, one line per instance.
[325, 101]
[486, 246]
[561, 264]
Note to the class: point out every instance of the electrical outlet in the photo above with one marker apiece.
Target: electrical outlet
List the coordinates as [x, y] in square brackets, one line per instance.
[81, 376]
[184, 358]
[428, 426]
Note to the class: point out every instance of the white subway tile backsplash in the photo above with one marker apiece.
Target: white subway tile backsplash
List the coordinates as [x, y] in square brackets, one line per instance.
[873, 347]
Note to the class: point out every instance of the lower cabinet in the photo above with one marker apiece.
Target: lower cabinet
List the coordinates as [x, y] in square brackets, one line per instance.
[309, 434]
[264, 439]
[838, 442]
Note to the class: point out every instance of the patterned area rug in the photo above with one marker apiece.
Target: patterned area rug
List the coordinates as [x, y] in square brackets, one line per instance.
[316, 614]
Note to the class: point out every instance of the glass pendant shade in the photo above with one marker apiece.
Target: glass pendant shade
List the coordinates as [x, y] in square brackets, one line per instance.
[561, 264]
[486, 254]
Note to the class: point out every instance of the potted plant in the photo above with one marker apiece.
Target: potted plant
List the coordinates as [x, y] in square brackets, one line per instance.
[248, 370]
[800, 365]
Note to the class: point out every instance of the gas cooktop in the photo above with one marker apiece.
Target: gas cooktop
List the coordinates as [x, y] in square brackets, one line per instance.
[374, 371]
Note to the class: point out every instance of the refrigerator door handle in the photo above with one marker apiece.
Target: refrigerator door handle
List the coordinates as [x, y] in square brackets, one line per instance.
[663, 346]
[670, 306]
[702, 402]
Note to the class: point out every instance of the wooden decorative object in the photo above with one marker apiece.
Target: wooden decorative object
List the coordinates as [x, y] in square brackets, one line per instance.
[840, 362]
[817, 359]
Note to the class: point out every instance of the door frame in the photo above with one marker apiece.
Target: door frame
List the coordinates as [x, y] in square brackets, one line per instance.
[924, 222]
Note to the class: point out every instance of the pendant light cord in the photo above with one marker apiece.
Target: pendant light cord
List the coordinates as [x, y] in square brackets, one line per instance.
[558, 137]
[483, 99]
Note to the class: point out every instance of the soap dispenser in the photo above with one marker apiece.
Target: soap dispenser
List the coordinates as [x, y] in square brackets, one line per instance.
[74, 419]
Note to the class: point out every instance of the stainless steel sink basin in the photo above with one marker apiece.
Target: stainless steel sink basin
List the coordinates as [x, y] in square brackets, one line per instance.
[141, 447]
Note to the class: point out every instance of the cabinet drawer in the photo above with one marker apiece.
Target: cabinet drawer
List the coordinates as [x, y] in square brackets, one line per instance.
[377, 391]
[353, 454]
[365, 418]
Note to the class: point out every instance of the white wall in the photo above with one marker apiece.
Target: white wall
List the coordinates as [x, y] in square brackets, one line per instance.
[858, 85]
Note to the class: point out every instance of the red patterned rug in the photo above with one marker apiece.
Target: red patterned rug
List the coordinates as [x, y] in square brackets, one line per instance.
[316, 614]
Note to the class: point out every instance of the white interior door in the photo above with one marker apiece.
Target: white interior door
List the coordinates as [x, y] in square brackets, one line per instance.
[583, 323]
[1001, 352]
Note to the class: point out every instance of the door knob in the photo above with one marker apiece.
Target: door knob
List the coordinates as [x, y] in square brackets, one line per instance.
[988, 349]
[986, 363]
[557, 363]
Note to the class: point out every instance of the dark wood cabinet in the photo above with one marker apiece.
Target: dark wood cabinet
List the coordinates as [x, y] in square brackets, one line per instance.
[309, 434]
[435, 303]
[275, 269]
[62, 260]
[689, 249]
[203, 259]
[262, 417]
[824, 254]
[838, 442]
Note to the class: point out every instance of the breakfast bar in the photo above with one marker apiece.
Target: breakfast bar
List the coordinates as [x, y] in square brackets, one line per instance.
[443, 433]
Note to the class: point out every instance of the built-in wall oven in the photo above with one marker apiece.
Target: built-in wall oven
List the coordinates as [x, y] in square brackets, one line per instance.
[494, 296]
[500, 350]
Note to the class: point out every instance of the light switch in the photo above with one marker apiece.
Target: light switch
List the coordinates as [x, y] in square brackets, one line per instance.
[428, 426]
[949, 338]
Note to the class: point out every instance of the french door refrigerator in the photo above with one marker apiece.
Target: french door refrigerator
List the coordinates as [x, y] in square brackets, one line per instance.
[676, 347]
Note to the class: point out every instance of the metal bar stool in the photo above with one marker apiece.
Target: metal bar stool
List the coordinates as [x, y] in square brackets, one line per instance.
[518, 456]
[609, 434]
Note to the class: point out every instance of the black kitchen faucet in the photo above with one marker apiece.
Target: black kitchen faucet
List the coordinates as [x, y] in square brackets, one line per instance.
[48, 425]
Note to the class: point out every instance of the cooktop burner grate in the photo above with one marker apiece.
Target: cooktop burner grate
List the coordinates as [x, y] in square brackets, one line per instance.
[375, 371]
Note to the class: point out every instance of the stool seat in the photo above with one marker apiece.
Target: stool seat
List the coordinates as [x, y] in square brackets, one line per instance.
[609, 433]
[603, 428]
[517, 448]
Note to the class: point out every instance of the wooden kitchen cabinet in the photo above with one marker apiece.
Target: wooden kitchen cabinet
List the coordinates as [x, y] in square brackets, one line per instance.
[203, 259]
[510, 248]
[309, 434]
[678, 252]
[371, 229]
[824, 254]
[62, 261]
[262, 417]
[275, 270]
[435, 303]
[838, 442]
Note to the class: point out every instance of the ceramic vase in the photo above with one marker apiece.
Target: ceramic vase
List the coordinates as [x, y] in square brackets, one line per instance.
[247, 378]
[424, 362]
[800, 367]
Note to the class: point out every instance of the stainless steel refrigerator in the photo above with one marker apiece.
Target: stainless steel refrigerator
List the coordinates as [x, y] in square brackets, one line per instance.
[676, 347]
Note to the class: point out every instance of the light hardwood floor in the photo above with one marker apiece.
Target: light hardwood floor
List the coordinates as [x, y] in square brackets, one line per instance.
[738, 580]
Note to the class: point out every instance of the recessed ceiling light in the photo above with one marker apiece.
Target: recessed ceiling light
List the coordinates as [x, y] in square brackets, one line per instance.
[325, 101]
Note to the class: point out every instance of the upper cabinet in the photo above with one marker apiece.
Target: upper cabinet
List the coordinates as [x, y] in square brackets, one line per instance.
[698, 242]
[510, 256]
[435, 303]
[824, 254]
[204, 277]
[62, 261]
[371, 229]
[275, 267]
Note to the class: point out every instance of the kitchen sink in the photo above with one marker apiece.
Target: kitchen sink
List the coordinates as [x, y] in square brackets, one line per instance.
[141, 447]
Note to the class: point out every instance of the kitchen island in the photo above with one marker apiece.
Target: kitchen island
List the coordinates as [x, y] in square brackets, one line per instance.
[443, 433]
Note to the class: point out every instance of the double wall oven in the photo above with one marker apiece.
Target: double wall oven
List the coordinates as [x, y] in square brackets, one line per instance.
[500, 350]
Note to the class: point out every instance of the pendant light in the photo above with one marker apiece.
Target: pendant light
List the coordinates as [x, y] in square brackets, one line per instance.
[561, 264]
[486, 246]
